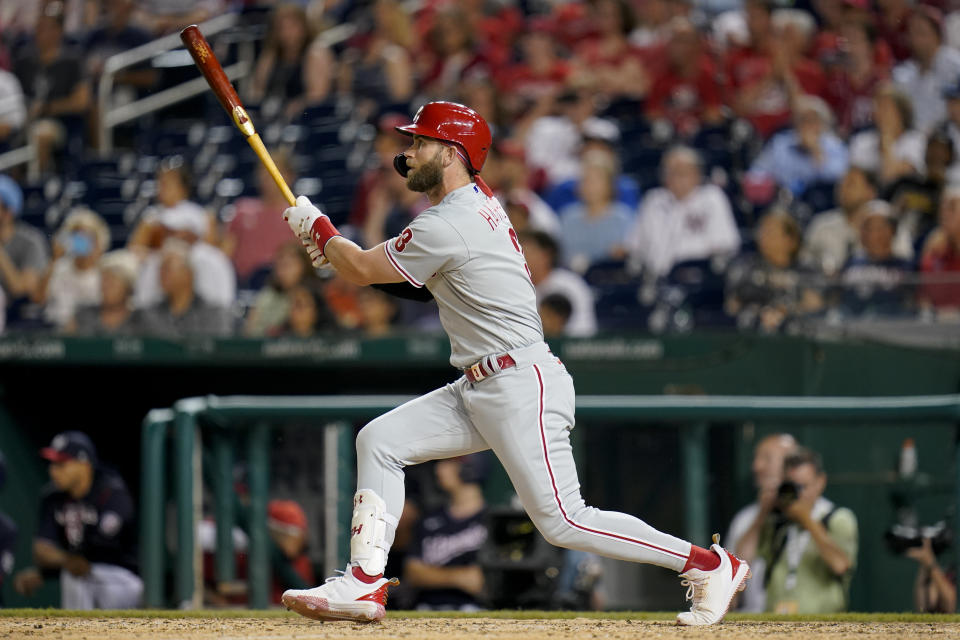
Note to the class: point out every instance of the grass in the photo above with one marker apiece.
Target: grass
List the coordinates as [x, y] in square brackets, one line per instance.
[502, 614]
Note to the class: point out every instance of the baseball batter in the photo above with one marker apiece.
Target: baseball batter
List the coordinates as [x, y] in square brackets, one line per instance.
[515, 397]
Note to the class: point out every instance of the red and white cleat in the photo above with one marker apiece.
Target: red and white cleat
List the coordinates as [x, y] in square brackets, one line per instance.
[712, 591]
[342, 597]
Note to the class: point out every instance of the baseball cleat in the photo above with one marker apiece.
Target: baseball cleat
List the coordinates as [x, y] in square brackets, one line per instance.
[713, 591]
[342, 597]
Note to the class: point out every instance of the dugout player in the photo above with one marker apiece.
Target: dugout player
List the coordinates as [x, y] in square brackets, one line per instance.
[514, 396]
[86, 531]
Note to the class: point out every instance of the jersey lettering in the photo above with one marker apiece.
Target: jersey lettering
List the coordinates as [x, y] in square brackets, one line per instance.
[403, 239]
[493, 214]
[516, 245]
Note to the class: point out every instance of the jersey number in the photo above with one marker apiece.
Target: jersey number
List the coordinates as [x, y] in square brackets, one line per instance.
[516, 245]
[403, 239]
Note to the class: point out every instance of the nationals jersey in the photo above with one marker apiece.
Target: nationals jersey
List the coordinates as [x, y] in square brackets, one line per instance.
[465, 251]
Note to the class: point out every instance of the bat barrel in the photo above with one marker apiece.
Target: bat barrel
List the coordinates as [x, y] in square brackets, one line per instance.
[210, 67]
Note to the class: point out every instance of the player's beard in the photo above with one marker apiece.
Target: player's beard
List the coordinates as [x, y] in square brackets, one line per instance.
[427, 176]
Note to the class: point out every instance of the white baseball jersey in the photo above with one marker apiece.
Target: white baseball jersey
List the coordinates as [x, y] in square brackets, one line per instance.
[466, 252]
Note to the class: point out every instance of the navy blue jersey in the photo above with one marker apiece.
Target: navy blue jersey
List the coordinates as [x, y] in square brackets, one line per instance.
[100, 526]
[442, 540]
[8, 539]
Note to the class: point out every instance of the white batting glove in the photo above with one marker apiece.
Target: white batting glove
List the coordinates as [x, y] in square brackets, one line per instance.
[301, 218]
[317, 259]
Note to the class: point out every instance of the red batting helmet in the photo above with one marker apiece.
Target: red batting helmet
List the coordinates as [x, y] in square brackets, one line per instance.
[454, 123]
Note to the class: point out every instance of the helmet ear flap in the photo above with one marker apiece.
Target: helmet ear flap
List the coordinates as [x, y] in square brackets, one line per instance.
[400, 164]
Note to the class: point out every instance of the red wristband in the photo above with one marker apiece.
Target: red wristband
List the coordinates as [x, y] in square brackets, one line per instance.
[322, 231]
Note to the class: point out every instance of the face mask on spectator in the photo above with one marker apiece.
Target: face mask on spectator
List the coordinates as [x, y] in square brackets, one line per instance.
[80, 244]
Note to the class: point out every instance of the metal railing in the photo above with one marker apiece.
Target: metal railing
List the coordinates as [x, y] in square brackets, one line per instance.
[693, 415]
[111, 116]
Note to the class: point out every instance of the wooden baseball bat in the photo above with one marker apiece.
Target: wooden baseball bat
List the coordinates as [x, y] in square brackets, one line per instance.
[210, 67]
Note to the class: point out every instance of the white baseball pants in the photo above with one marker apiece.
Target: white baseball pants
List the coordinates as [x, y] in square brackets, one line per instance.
[107, 586]
[525, 415]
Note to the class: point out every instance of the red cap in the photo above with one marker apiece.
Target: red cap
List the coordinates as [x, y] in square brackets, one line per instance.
[287, 514]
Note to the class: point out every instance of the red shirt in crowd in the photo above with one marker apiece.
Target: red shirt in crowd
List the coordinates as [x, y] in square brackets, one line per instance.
[685, 100]
[748, 68]
[944, 269]
[259, 232]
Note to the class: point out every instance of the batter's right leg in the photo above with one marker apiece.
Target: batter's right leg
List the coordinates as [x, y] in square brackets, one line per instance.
[431, 427]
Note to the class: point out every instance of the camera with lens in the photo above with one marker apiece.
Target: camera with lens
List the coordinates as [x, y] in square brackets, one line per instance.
[787, 494]
[901, 537]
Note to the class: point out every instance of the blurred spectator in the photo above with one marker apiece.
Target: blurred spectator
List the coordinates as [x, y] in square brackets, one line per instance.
[539, 76]
[174, 182]
[745, 527]
[216, 282]
[165, 16]
[892, 148]
[652, 29]
[379, 172]
[376, 68]
[607, 64]
[8, 535]
[442, 562]
[86, 531]
[257, 229]
[308, 314]
[931, 68]
[23, 249]
[893, 26]
[287, 525]
[379, 312]
[809, 543]
[940, 262]
[598, 138]
[767, 76]
[271, 308]
[280, 76]
[73, 279]
[595, 228]
[552, 142]
[951, 126]
[874, 282]
[542, 253]
[555, 312]
[452, 52]
[181, 311]
[113, 315]
[766, 289]
[686, 90]
[853, 79]
[13, 110]
[506, 172]
[933, 590]
[806, 154]
[832, 236]
[916, 199]
[685, 219]
[53, 80]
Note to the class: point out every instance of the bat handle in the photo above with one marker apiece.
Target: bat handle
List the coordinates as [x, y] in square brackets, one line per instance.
[261, 151]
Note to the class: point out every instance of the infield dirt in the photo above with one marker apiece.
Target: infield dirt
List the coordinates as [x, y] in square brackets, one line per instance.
[37, 628]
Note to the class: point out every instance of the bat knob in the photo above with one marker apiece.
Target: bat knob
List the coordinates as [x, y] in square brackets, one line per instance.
[400, 164]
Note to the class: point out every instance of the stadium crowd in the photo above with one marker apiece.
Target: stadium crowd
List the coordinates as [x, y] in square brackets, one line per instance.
[757, 164]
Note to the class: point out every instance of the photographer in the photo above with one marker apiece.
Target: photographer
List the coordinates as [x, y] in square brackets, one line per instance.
[746, 525]
[933, 590]
[810, 544]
